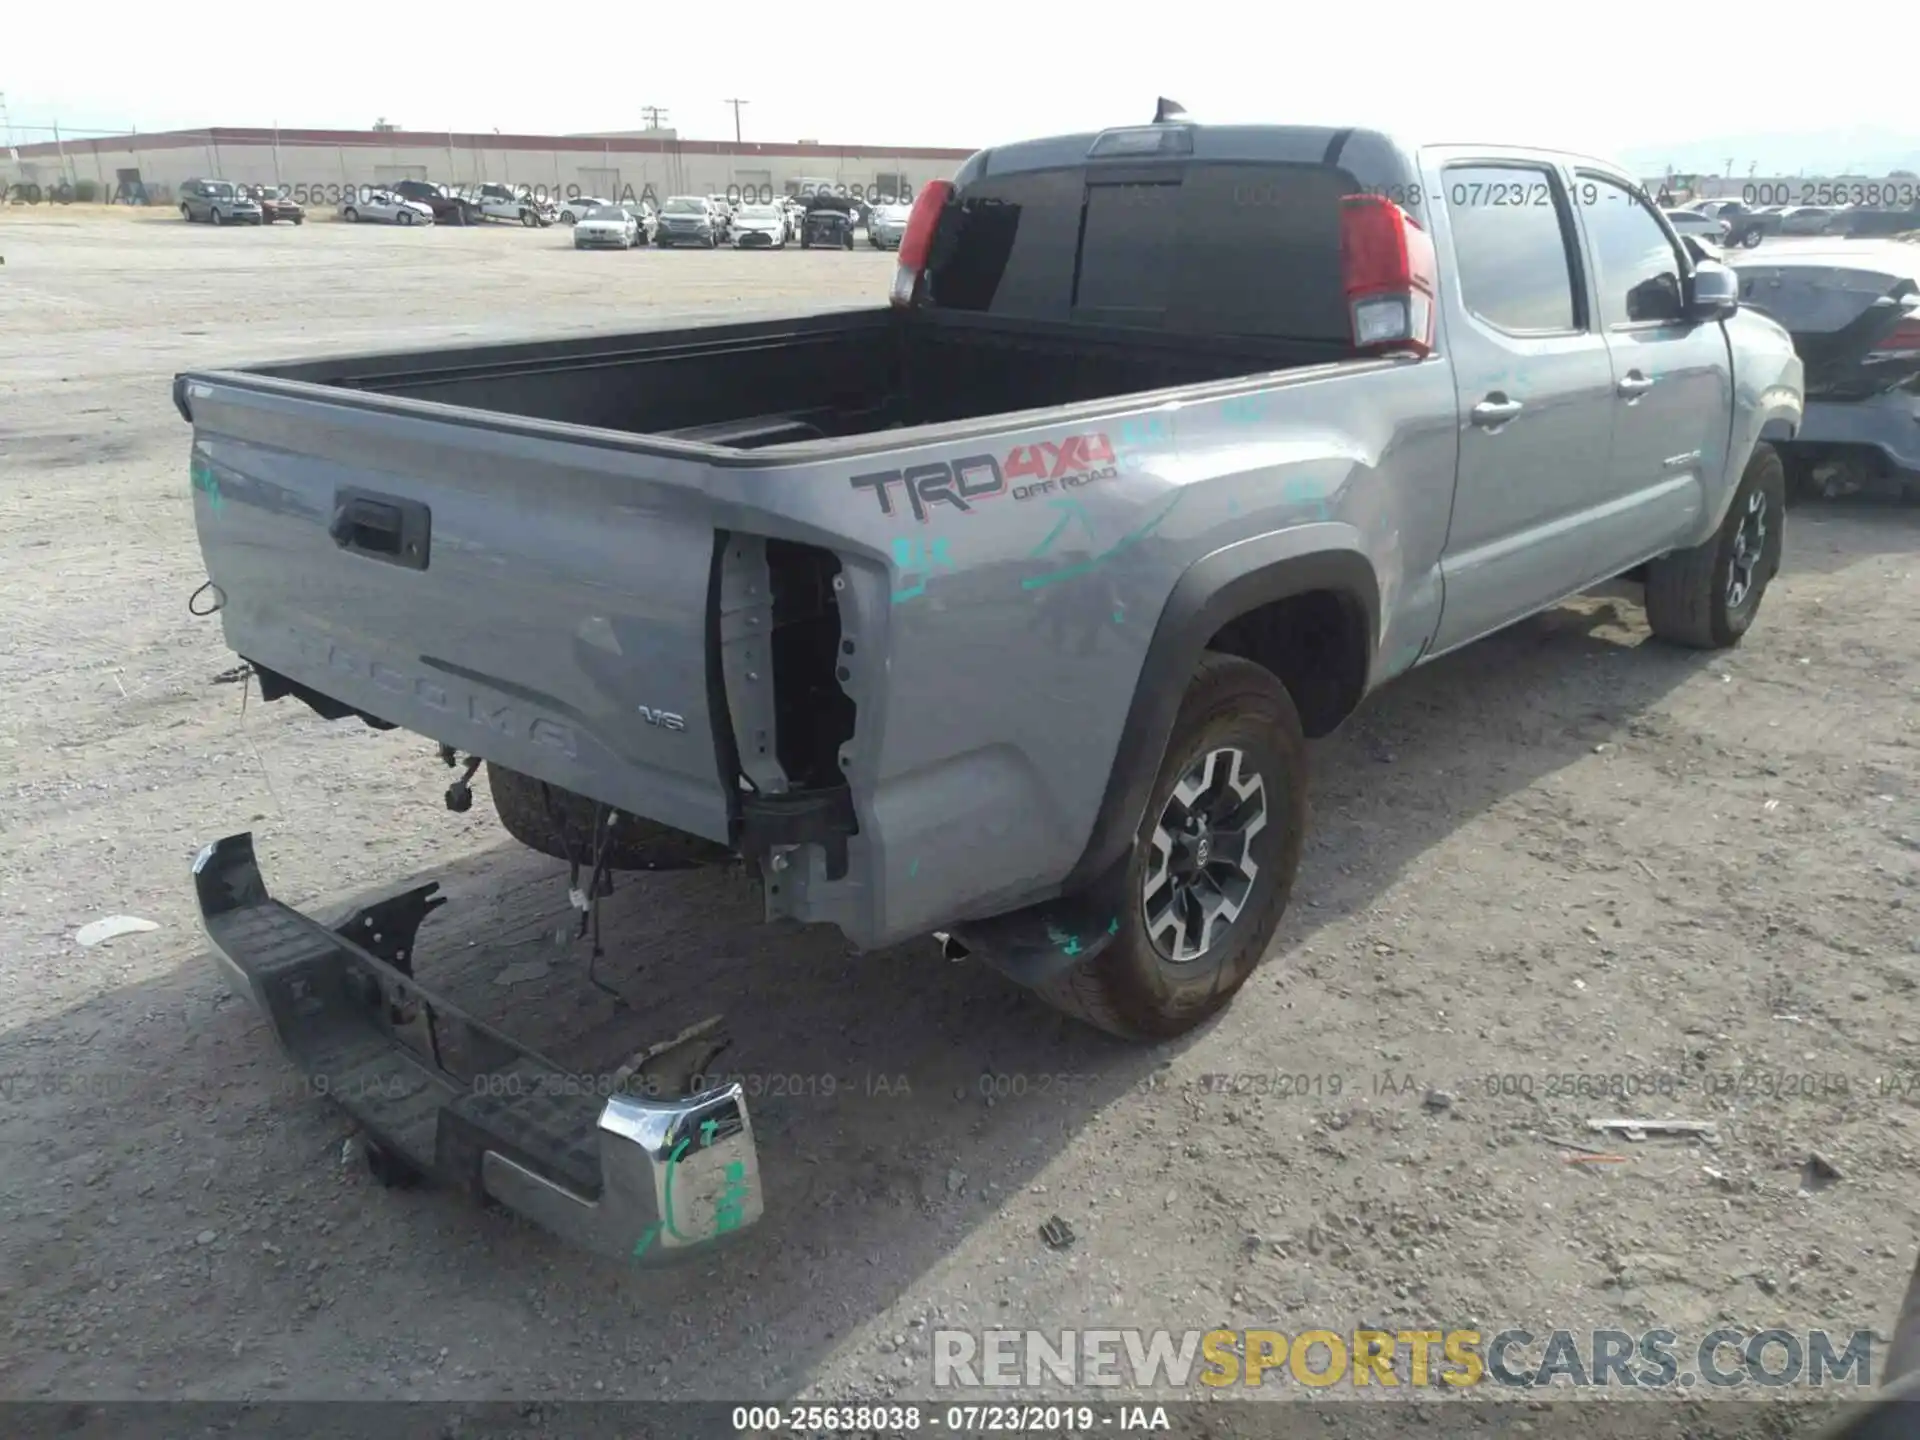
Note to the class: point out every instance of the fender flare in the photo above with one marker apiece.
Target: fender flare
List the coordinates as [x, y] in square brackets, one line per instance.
[1212, 591]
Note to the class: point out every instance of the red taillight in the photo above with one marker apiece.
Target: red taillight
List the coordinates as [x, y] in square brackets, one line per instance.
[1902, 344]
[918, 239]
[1390, 272]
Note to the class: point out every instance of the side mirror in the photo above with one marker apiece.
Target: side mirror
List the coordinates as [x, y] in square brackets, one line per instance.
[1713, 291]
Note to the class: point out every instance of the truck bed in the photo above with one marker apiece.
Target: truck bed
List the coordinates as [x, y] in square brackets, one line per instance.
[804, 380]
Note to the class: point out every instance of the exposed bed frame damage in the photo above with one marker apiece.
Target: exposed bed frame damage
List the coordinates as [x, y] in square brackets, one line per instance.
[789, 645]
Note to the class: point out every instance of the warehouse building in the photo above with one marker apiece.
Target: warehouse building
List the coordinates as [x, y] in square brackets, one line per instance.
[320, 164]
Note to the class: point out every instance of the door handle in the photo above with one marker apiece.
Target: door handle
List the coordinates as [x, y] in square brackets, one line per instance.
[1491, 413]
[1633, 385]
[382, 527]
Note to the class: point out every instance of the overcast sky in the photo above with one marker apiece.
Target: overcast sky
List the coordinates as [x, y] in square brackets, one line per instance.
[1609, 79]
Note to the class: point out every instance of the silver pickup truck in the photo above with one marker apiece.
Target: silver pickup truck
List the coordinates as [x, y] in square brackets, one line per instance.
[1001, 611]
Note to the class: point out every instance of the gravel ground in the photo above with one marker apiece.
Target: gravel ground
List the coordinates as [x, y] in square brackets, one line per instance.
[1565, 852]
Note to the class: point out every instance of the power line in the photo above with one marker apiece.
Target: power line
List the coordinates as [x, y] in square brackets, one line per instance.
[736, 104]
[655, 116]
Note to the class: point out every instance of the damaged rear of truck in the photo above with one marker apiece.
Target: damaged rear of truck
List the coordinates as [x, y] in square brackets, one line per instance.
[1002, 611]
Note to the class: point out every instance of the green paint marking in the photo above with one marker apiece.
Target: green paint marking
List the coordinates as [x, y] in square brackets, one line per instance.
[911, 557]
[208, 484]
[645, 1242]
[1070, 510]
[1125, 542]
[913, 869]
[673, 1162]
[1113, 926]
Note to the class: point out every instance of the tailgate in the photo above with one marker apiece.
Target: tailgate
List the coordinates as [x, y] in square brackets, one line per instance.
[1842, 306]
[536, 601]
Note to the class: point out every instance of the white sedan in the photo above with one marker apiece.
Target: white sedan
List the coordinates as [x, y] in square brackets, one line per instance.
[386, 207]
[759, 227]
[606, 227]
[575, 209]
[1701, 227]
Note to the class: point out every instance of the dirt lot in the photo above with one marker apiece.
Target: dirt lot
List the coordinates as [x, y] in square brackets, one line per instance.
[1567, 852]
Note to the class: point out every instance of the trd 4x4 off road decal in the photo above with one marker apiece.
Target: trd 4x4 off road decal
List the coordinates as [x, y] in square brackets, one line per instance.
[1046, 468]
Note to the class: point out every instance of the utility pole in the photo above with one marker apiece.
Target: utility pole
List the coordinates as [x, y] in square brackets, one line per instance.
[656, 117]
[736, 104]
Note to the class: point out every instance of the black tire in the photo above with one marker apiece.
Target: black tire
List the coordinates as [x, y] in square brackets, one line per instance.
[299, 219]
[1131, 989]
[635, 844]
[1691, 597]
[529, 219]
[1751, 239]
[406, 217]
[213, 214]
[186, 212]
[350, 215]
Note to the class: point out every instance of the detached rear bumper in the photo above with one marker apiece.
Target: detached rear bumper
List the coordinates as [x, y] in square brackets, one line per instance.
[630, 1175]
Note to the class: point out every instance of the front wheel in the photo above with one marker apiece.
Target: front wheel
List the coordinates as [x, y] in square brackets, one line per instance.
[215, 215]
[529, 219]
[406, 217]
[351, 216]
[1706, 598]
[1750, 240]
[1212, 865]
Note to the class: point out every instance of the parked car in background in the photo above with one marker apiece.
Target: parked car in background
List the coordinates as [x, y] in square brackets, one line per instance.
[687, 220]
[1750, 224]
[888, 226]
[448, 207]
[1717, 209]
[828, 222]
[1806, 219]
[1853, 310]
[759, 227]
[1701, 227]
[275, 204]
[385, 207]
[606, 227]
[571, 211]
[499, 202]
[219, 202]
[1864, 222]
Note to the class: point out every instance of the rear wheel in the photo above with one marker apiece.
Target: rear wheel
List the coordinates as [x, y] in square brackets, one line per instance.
[551, 820]
[352, 216]
[186, 214]
[1213, 862]
[1706, 598]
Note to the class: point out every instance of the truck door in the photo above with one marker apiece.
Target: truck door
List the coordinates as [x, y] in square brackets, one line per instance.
[1673, 378]
[1533, 383]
